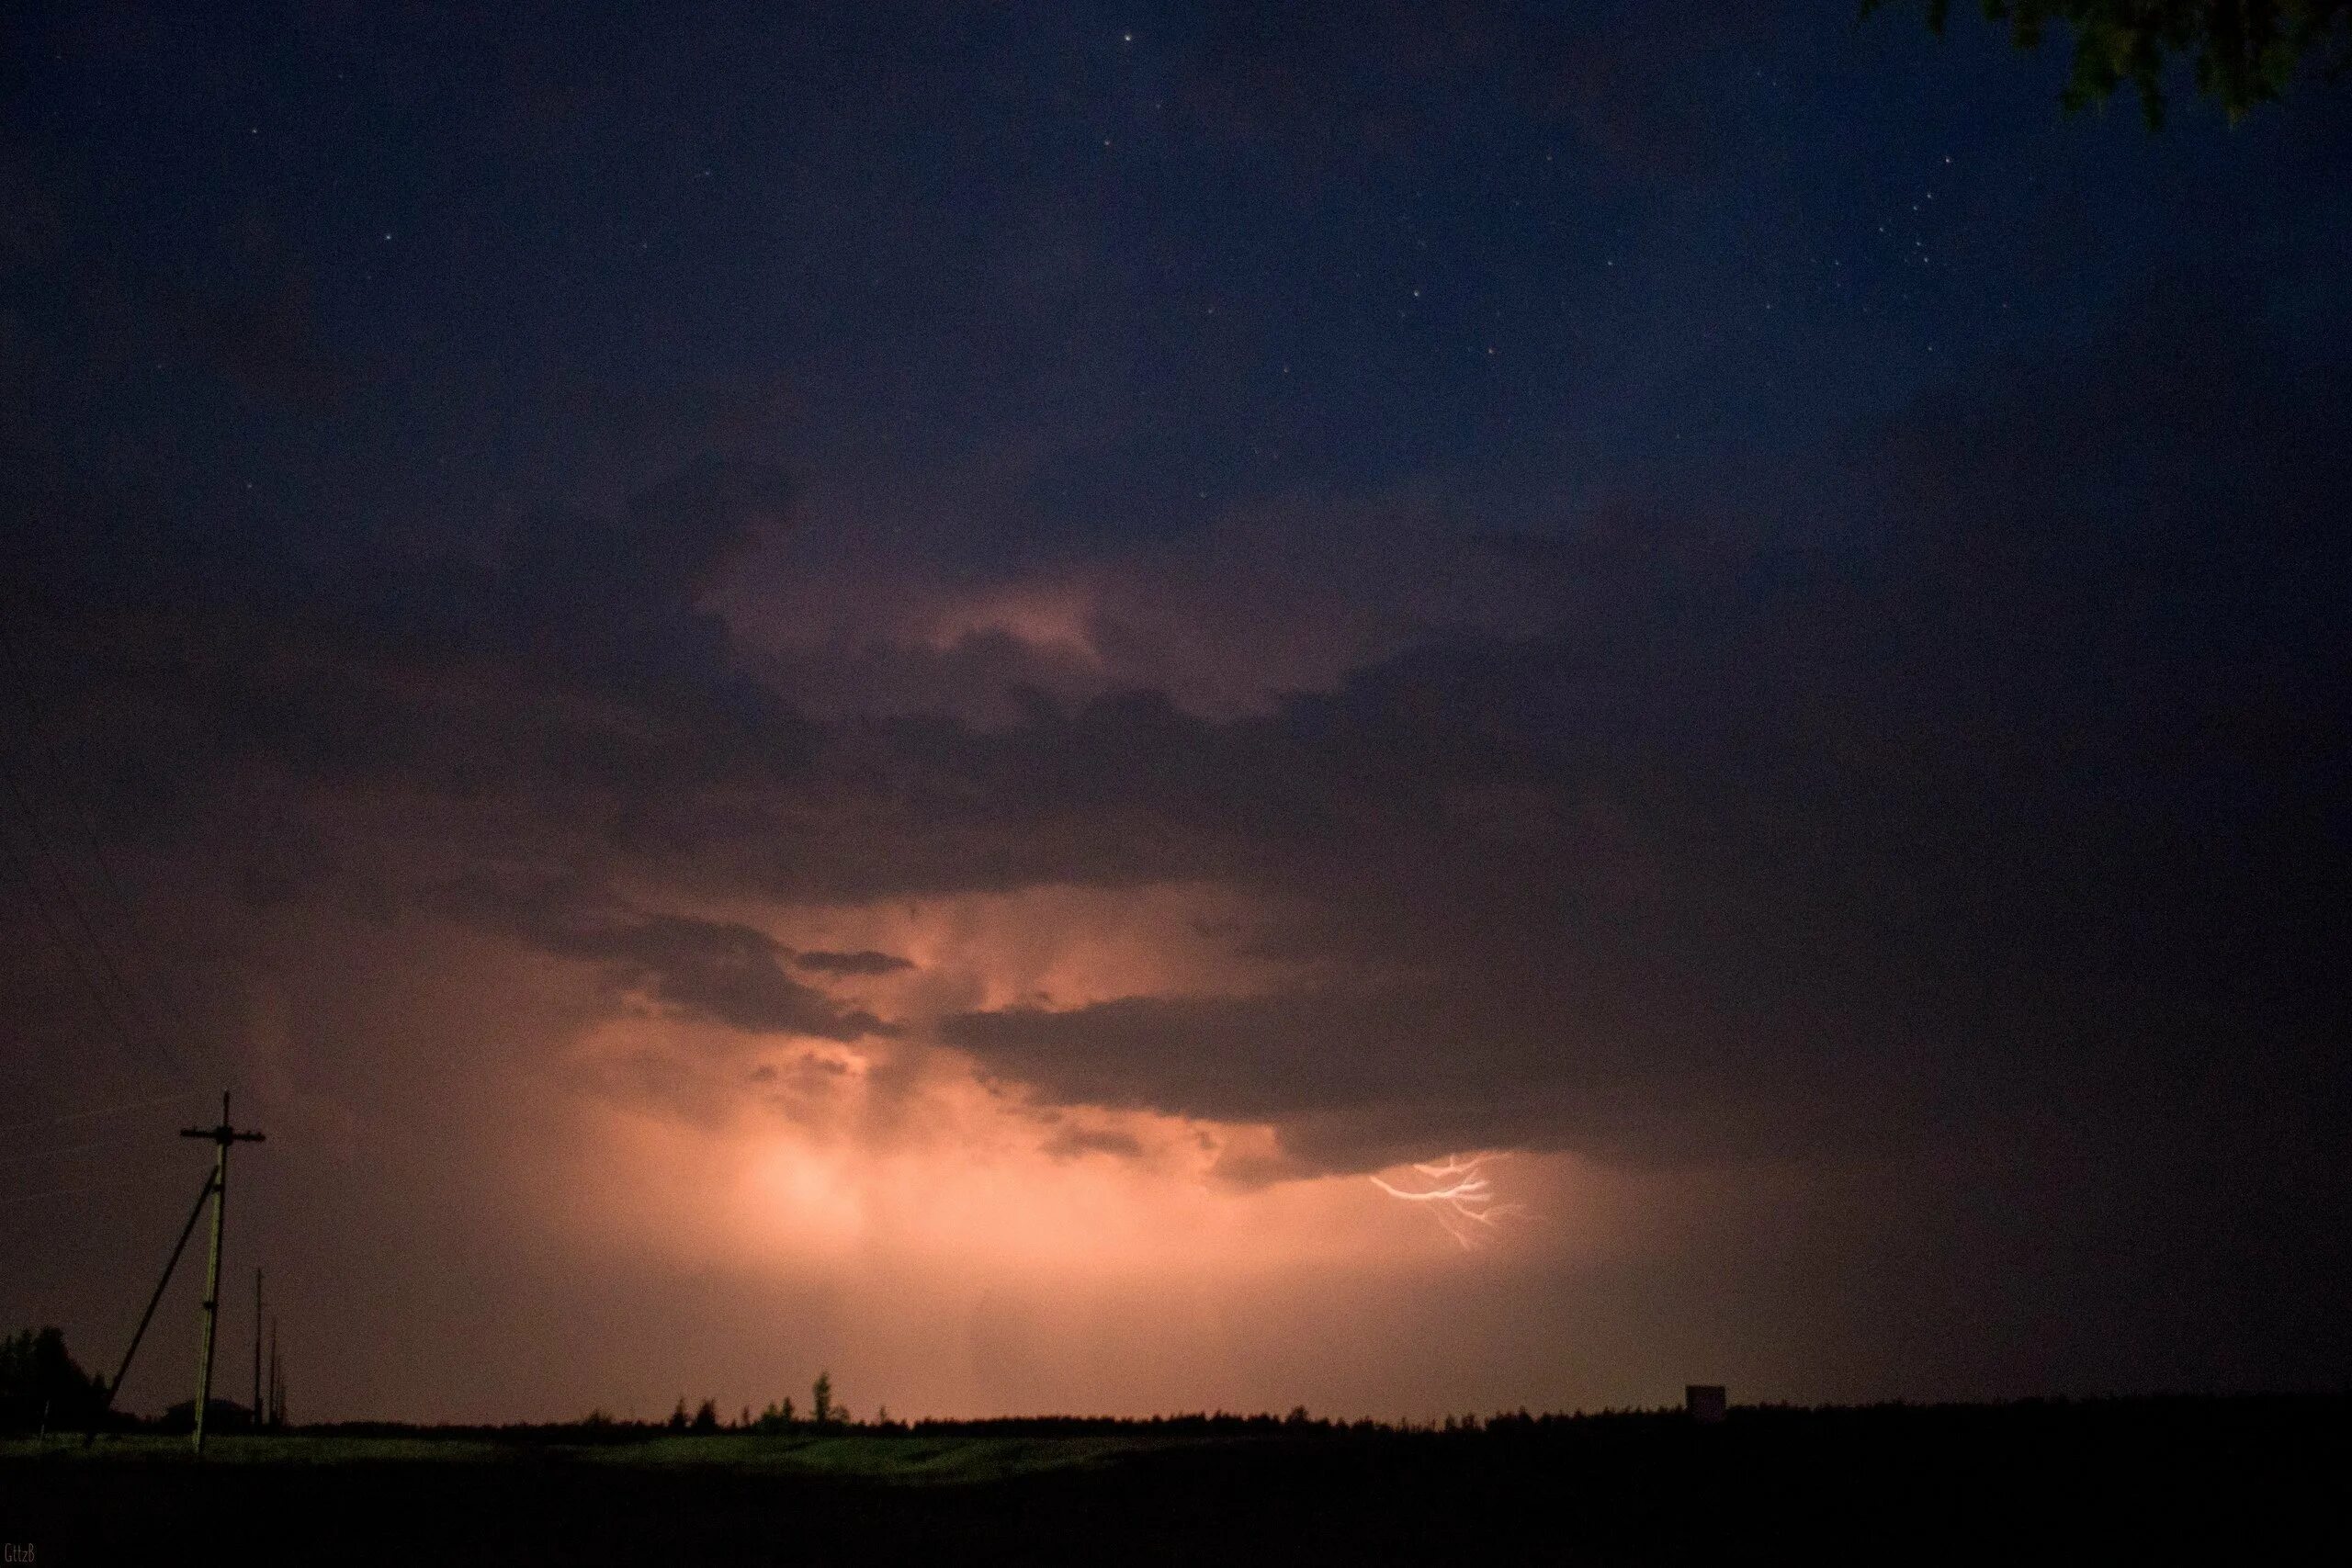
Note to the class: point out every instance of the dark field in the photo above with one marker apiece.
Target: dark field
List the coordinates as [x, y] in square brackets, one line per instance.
[2102, 1481]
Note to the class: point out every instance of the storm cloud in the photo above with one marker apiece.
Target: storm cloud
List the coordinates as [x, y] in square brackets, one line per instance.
[1962, 795]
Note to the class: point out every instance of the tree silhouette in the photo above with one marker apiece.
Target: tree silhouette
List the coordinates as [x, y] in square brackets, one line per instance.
[40, 1385]
[821, 1400]
[2247, 50]
[705, 1415]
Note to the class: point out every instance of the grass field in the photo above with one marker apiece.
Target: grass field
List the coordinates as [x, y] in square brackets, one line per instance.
[913, 1457]
[2117, 1480]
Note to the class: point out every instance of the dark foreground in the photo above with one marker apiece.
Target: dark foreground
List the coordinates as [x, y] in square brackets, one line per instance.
[2108, 1481]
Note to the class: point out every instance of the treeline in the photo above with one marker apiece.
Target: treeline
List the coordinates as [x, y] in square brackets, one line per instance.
[600, 1426]
[824, 1415]
[2143, 1412]
[43, 1389]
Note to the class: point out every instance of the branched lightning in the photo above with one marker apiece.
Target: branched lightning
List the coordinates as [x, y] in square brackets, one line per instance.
[1463, 1198]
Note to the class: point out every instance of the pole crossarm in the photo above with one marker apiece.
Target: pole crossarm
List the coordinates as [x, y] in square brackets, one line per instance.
[224, 1133]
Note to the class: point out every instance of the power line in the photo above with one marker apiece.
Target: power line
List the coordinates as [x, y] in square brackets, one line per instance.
[26, 862]
[21, 667]
[95, 1187]
[103, 1110]
[70, 1149]
[62, 782]
[56, 932]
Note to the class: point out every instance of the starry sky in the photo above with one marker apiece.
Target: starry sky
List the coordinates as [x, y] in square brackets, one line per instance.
[899, 687]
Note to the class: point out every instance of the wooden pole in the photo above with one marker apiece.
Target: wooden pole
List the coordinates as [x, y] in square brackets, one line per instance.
[212, 1280]
[257, 1404]
[221, 1137]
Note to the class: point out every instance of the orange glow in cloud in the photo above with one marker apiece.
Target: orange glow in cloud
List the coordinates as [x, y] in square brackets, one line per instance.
[1048, 615]
[965, 1180]
[941, 1209]
[1057, 947]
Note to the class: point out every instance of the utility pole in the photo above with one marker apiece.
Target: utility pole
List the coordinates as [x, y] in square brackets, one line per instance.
[277, 1380]
[256, 1405]
[221, 1136]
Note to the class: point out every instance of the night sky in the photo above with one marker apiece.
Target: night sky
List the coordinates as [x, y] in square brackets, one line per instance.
[896, 687]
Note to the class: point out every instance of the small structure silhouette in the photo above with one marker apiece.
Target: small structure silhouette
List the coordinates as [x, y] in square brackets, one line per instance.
[1704, 1401]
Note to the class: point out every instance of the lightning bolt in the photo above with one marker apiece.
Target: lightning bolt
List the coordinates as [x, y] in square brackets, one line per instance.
[1462, 1199]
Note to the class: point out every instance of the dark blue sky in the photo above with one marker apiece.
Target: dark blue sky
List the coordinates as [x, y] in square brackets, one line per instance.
[1077, 275]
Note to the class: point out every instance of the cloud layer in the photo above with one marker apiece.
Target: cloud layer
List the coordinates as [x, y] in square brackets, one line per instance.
[1996, 776]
